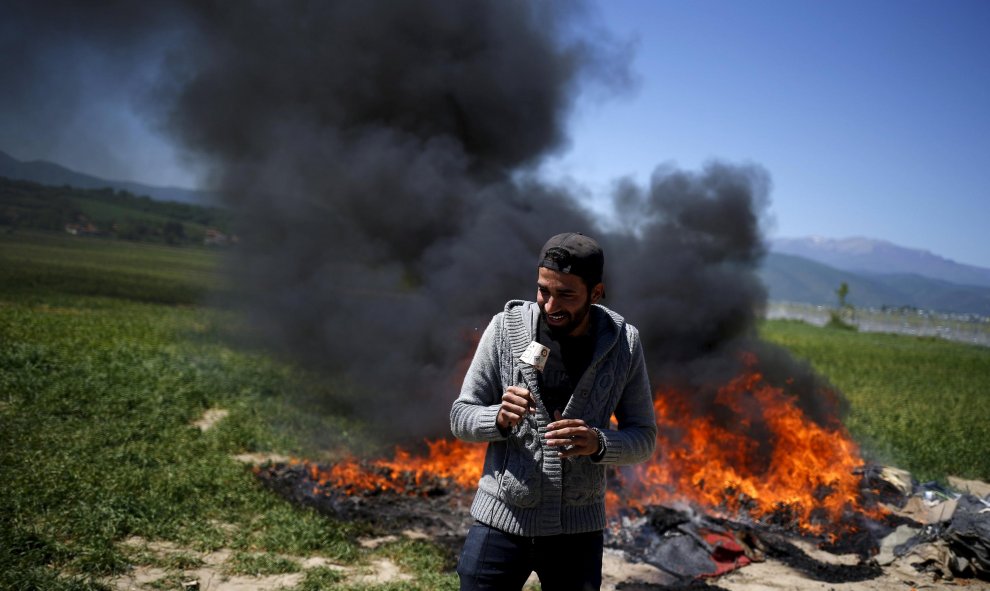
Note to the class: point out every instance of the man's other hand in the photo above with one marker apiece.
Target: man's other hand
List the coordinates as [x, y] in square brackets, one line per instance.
[572, 436]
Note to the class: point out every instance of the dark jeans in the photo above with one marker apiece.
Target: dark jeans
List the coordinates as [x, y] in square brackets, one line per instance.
[496, 561]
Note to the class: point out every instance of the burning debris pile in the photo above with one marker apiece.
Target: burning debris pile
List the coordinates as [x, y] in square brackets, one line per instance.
[922, 528]
[433, 506]
[755, 453]
[431, 493]
[705, 504]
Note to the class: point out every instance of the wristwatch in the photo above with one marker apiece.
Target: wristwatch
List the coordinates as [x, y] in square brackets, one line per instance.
[602, 445]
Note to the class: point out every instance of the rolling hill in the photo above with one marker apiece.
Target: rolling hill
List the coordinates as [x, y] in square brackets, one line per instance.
[799, 279]
[870, 256]
[49, 173]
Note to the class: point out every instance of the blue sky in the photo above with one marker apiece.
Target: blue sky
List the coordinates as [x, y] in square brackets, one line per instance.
[872, 117]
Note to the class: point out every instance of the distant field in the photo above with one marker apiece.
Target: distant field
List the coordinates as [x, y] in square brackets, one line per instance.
[108, 211]
[45, 264]
[108, 356]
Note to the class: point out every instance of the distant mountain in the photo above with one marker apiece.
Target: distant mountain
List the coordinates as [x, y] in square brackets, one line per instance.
[866, 255]
[798, 279]
[49, 173]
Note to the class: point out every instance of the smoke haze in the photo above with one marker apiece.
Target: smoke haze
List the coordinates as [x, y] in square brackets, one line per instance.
[381, 159]
[74, 75]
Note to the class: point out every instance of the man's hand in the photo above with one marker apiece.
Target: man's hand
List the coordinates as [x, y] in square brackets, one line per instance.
[575, 433]
[516, 403]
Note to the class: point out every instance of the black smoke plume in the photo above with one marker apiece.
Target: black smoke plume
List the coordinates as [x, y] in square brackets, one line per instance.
[381, 158]
[377, 153]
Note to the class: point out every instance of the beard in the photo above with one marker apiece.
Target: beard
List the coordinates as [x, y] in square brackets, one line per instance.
[572, 320]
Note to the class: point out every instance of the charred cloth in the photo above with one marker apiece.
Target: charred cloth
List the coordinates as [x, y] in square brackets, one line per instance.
[693, 546]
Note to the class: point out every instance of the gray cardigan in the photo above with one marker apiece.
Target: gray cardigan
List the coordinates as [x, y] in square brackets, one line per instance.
[526, 488]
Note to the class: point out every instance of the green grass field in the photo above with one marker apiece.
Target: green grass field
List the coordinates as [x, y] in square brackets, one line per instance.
[107, 358]
[916, 402]
[104, 366]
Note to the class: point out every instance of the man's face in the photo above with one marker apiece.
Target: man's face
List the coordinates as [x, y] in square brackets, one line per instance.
[565, 301]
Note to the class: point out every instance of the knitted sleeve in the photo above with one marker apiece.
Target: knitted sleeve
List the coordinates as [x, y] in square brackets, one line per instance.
[636, 437]
[472, 417]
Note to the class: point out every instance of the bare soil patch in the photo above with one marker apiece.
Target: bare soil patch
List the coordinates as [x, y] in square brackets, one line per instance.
[210, 418]
[212, 571]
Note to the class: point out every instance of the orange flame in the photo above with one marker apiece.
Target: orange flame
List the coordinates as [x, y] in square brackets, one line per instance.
[449, 461]
[797, 469]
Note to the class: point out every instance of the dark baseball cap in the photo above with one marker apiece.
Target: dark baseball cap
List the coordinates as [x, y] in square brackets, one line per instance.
[575, 254]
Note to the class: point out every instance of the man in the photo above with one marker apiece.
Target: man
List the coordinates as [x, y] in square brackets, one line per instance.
[544, 382]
